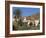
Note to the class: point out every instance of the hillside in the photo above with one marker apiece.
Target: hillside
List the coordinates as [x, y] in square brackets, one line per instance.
[33, 17]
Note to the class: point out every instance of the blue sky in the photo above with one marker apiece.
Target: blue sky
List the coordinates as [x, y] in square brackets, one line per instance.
[26, 11]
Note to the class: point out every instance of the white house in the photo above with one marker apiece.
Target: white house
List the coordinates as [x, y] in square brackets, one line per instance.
[36, 22]
[30, 21]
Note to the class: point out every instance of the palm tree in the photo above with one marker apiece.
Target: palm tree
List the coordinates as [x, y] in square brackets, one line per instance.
[18, 13]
